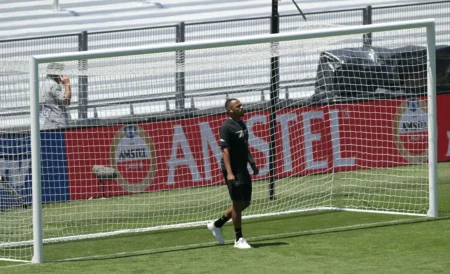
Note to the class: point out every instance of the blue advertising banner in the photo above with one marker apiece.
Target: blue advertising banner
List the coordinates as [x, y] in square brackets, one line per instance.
[15, 169]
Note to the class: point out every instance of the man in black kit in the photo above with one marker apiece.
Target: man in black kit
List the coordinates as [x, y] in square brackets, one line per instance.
[235, 156]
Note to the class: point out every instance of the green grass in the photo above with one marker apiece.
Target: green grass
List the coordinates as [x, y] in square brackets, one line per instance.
[312, 242]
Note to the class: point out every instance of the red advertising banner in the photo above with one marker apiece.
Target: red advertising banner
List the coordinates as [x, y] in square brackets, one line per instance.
[443, 123]
[185, 153]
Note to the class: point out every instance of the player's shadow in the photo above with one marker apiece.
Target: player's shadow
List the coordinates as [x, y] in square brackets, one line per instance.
[256, 245]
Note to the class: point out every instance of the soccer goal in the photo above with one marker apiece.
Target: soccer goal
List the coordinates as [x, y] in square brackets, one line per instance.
[335, 123]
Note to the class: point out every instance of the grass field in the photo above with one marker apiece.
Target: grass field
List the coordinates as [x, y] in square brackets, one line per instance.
[312, 242]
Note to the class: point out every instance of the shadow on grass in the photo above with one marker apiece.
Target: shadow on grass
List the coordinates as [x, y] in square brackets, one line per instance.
[268, 244]
[256, 242]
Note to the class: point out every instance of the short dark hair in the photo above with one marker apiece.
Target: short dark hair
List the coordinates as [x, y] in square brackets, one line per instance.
[228, 101]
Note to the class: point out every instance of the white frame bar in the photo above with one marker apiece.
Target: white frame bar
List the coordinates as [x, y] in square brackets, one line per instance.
[432, 122]
[36, 163]
[429, 24]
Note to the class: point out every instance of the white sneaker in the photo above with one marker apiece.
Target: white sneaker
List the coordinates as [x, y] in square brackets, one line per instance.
[216, 232]
[242, 244]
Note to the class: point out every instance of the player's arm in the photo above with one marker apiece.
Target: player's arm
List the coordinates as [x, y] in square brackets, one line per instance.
[225, 145]
[67, 92]
[252, 162]
[227, 162]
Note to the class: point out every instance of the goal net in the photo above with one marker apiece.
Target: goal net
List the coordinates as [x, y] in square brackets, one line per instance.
[334, 124]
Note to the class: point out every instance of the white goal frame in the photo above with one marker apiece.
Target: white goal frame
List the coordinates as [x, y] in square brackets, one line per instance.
[34, 62]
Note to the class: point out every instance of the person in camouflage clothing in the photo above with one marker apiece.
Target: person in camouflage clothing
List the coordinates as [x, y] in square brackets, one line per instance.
[56, 96]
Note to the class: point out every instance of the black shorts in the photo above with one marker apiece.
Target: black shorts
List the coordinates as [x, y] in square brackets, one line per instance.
[241, 188]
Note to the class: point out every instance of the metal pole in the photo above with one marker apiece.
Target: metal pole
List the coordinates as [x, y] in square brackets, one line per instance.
[82, 79]
[179, 76]
[432, 123]
[274, 92]
[299, 10]
[367, 20]
[38, 256]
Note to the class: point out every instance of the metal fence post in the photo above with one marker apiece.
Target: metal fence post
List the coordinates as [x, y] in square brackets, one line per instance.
[179, 76]
[367, 20]
[274, 93]
[82, 79]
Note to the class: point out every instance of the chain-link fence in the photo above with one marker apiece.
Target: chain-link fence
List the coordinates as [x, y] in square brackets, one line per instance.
[89, 96]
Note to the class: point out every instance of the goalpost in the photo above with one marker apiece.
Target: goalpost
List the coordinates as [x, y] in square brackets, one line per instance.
[355, 130]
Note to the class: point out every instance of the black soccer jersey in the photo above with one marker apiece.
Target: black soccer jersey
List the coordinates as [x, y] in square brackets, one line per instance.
[234, 136]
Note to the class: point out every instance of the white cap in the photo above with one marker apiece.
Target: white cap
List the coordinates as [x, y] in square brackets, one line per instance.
[55, 68]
